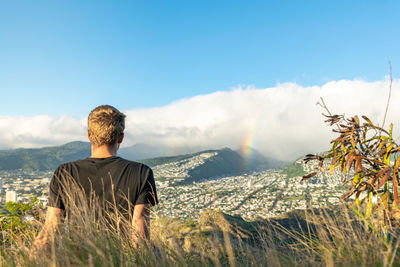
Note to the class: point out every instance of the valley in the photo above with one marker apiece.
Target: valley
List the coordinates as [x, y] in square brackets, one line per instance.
[213, 179]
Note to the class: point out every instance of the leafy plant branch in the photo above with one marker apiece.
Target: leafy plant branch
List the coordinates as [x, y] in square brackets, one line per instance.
[369, 157]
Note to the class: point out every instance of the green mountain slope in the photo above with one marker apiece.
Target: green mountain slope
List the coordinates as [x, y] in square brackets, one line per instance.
[294, 169]
[152, 162]
[226, 161]
[222, 162]
[201, 165]
[47, 158]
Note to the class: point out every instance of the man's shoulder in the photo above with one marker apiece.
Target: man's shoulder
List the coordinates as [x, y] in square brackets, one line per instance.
[69, 164]
[134, 164]
[67, 168]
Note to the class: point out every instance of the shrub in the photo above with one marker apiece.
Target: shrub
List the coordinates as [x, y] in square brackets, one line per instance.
[368, 156]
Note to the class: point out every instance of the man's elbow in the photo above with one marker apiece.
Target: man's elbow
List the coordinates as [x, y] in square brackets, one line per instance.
[141, 227]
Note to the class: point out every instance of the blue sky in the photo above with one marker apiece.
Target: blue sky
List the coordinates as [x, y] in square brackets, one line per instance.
[66, 57]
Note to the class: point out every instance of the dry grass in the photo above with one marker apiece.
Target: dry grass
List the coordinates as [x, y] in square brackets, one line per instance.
[314, 237]
[306, 238]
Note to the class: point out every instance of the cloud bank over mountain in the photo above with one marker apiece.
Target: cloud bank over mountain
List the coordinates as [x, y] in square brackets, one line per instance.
[282, 122]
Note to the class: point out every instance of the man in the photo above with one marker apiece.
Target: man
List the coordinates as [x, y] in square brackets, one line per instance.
[110, 183]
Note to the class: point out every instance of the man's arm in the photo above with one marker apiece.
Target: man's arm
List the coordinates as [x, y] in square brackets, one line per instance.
[52, 225]
[146, 198]
[141, 221]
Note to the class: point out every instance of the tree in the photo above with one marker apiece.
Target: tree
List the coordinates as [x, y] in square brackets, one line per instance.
[369, 157]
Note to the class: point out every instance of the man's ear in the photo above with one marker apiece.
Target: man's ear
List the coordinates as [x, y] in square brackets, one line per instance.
[121, 137]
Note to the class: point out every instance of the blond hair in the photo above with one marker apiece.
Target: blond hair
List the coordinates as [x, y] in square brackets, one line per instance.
[105, 125]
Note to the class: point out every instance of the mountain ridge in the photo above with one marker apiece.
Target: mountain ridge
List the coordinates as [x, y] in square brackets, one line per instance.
[226, 160]
[46, 158]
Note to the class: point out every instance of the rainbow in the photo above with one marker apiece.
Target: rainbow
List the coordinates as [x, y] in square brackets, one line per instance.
[246, 146]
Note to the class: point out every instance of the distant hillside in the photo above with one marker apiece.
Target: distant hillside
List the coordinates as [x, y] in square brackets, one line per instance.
[201, 165]
[295, 169]
[256, 160]
[142, 151]
[204, 164]
[145, 151]
[298, 168]
[226, 161]
[152, 162]
[47, 158]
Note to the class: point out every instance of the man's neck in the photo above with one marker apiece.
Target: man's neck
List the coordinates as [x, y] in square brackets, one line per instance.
[104, 151]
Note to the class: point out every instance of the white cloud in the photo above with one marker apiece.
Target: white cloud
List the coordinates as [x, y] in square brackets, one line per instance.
[283, 121]
[37, 131]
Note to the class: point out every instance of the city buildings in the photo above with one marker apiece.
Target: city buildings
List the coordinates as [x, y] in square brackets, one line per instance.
[11, 196]
[254, 195]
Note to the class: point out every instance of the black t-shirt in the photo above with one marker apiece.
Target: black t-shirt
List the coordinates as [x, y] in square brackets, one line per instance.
[111, 182]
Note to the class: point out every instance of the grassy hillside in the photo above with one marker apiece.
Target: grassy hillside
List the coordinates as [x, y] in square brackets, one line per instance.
[334, 236]
[152, 162]
[294, 169]
[226, 161]
[47, 158]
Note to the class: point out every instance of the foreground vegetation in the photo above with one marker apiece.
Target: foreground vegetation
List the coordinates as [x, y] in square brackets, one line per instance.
[334, 236]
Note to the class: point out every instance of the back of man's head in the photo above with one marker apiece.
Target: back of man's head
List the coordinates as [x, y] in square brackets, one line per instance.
[105, 125]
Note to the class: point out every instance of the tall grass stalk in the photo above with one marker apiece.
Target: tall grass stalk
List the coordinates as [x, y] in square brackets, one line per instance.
[321, 237]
